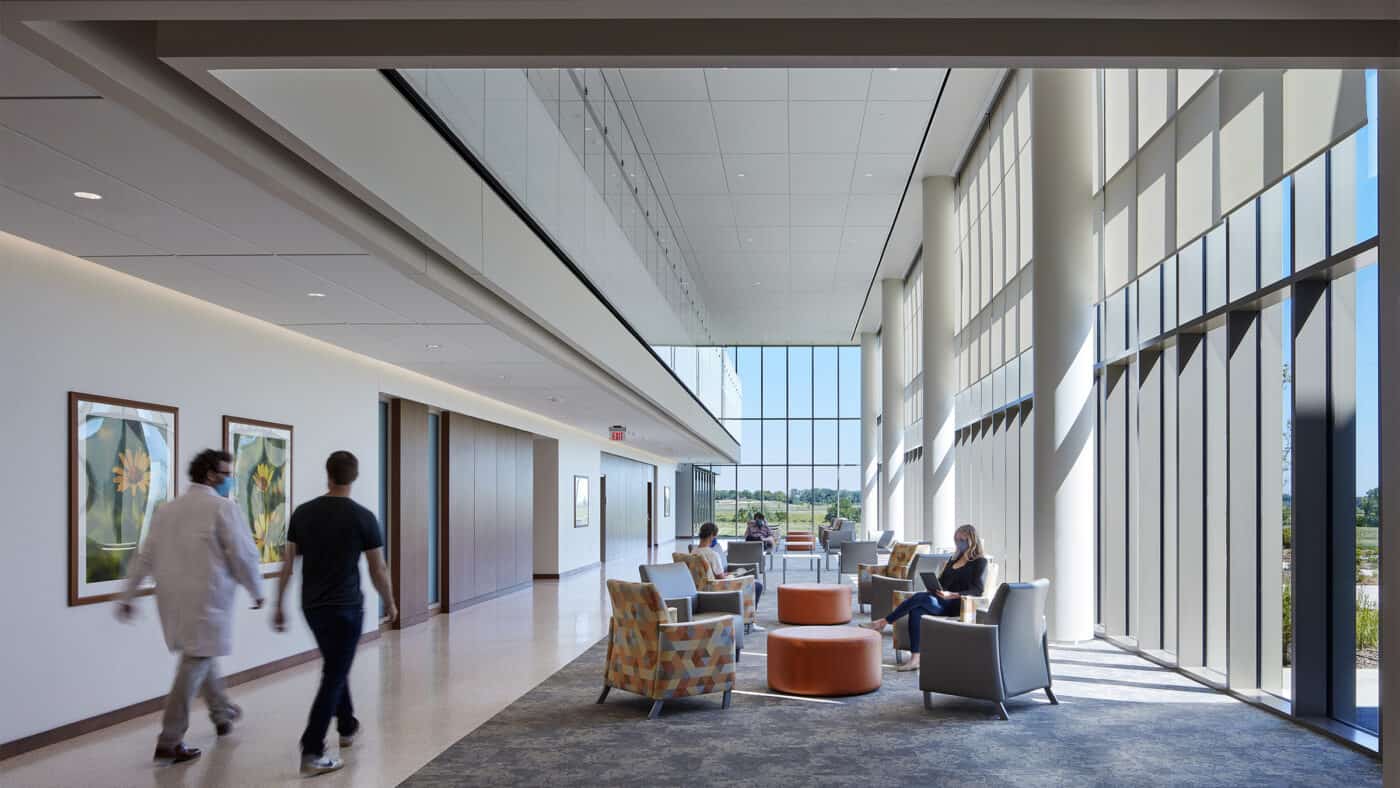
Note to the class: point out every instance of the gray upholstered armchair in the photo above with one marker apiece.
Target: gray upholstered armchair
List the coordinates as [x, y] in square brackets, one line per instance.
[741, 555]
[1001, 656]
[853, 554]
[677, 589]
[901, 627]
[884, 542]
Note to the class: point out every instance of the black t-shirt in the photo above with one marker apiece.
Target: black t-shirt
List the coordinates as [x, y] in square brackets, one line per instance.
[330, 533]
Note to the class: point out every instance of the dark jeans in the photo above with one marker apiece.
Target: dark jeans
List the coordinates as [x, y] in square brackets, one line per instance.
[919, 605]
[337, 631]
[757, 592]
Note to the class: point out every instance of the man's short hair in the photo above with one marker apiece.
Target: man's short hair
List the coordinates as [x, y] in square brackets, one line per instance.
[342, 467]
[206, 461]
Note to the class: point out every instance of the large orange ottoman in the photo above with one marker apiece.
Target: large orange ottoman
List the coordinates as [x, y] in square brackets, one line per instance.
[800, 542]
[814, 603]
[824, 661]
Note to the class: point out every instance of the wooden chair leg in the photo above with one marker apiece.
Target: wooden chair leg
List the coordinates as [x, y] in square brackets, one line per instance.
[655, 710]
[727, 695]
[604, 696]
[1049, 693]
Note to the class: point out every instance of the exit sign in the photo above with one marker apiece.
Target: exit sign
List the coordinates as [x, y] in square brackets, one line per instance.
[617, 432]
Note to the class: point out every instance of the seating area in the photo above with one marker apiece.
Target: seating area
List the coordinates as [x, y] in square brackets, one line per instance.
[679, 631]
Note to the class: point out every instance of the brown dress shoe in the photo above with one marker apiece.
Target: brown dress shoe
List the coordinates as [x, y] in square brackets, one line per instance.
[177, 754]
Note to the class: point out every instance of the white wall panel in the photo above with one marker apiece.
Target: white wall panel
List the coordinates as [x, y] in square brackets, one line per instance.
[1156, 199]
[1320, 107]
[1251, 134]
[1195, 170]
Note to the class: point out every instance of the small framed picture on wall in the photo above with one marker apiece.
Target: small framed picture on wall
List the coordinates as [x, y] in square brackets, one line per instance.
[580, 501]
[666, 501]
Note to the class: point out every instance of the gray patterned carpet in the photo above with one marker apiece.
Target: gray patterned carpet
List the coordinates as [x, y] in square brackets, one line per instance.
[1122, 721]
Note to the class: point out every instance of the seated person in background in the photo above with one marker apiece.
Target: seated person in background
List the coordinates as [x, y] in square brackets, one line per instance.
[709, 550]
[758, 531]
[962, 575]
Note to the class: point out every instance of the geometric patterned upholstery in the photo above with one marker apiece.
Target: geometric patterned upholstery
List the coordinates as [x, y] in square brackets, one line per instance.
[704, 581]
[901, 556]
[659, 660]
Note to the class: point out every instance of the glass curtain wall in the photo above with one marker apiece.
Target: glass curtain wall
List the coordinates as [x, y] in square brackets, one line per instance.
[1237, 354]
[995, 354]
[798, 426]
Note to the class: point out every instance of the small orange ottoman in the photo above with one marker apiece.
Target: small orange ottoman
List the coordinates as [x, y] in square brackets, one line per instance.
[824, 661]
[814, 603]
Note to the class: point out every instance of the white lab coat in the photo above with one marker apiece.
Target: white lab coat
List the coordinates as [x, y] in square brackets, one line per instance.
[199, 550]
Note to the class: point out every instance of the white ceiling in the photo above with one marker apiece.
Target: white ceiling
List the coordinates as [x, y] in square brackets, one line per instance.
[175, 217]
[966, 101]
[784, 184]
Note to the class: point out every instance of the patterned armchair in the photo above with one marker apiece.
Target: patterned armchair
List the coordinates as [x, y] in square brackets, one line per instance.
[659, 660]
[704, 581]
[873, 588]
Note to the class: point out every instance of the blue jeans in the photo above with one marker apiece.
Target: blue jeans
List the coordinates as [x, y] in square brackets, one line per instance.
[337, 631]
[919, 605]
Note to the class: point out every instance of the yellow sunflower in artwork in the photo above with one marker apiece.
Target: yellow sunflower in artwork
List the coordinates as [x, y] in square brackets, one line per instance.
[262, 477]
[134, 473]
[268, 536]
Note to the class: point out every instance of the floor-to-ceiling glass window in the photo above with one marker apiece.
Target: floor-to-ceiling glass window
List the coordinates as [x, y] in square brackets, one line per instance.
[799, 438]
[1240, 207]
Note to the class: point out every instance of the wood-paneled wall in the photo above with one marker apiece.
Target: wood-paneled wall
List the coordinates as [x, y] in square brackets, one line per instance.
[491, 516]
[408, 536]
[486, 509]
[625, 507]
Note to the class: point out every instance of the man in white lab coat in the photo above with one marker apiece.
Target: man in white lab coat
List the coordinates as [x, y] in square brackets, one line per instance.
[199, 550]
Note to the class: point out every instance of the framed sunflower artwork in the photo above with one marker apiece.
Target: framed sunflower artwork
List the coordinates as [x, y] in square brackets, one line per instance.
[121, 466]
[262, 483]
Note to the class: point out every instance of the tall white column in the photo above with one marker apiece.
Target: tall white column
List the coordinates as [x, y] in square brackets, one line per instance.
[1388, 285]
[892, 399]
[940, 362]
[1062, 117]
[870, 432]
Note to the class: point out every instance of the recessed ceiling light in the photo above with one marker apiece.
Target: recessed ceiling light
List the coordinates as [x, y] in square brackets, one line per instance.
[740, 174]
[756, 284]
[870, 175]
[502, 377]
[432, 347]
[894, 69]
[87, 195]
[316, 295]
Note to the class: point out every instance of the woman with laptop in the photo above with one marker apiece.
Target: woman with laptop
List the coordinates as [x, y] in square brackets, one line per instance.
[961, 575]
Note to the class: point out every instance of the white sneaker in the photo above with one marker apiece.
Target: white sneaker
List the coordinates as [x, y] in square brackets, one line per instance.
[759, 628]
[313, 765]
[347, 741]
[906, 667]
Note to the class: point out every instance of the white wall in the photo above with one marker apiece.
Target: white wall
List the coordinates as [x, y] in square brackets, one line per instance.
[68, 324]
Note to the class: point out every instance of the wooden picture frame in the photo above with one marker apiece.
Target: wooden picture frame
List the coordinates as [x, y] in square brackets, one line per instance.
[140, 443]
[581, 502]
[262, 482]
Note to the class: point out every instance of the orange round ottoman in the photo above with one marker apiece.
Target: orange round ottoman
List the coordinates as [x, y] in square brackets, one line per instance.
[824, 661]
[814, 603]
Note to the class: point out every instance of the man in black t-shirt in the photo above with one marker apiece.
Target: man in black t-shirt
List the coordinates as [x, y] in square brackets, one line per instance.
[329, 534]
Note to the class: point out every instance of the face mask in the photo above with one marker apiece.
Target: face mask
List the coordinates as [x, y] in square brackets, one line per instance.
[962, 544]
[224, 487]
